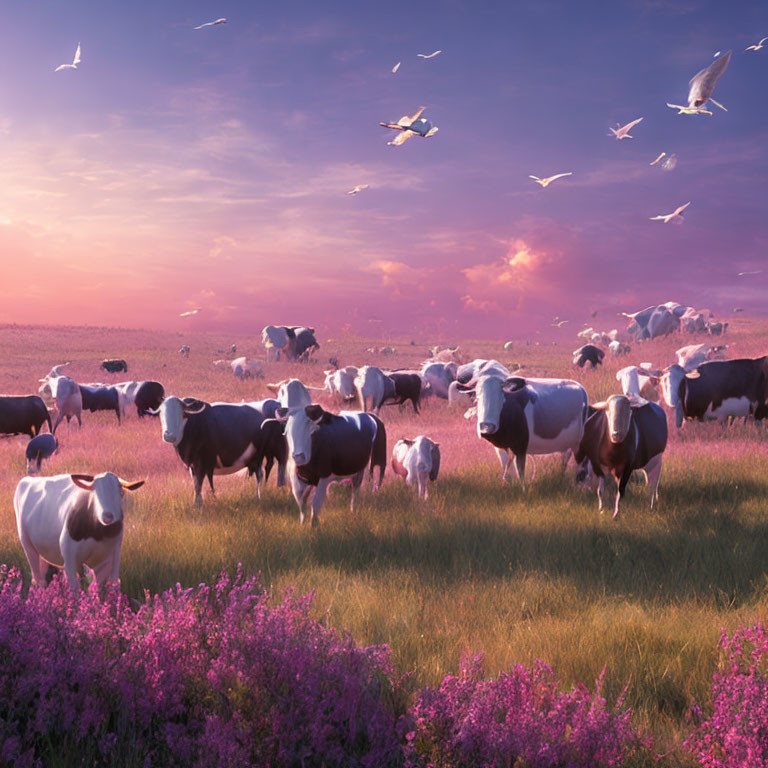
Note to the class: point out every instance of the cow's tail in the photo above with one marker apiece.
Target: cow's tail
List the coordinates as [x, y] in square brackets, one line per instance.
[379, 450]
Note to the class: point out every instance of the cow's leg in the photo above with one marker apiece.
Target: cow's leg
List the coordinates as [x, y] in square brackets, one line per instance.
[621, 482]
[520, 467]
[503, 455]
[209, 475]
[564, 459]
[59, 417]
[280, 474]
[33, 558]
[71, 566]
[600, 492]
[103, 572]
[653, 474]
[318, 499]
[357, 481]
[259, 477]
[197, 479]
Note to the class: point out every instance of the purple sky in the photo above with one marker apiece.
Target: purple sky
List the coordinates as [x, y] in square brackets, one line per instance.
[179, 168]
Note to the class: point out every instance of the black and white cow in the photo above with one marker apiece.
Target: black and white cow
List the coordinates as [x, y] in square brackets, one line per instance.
[717, 390]
[214, 439]
[114, 366]
[97, 397]
[325, 448]
[623, 434]
[530, 416]
[66, 394]
[39, 448]
[437, 378]
[23, 415]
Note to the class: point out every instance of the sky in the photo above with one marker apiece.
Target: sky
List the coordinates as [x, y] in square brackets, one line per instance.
[180, 168]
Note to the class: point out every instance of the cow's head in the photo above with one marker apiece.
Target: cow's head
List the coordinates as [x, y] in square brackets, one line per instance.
[173, 416]
[618, 412]
[107, 491]
[300, 423]
[489, 394]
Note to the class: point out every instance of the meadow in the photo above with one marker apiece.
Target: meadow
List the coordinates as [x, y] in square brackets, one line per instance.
[483, 566]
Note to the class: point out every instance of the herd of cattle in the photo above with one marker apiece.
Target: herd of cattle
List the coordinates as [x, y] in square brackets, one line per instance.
[70, 520]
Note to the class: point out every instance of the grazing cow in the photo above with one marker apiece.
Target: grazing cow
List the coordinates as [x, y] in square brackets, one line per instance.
[717, 390]
[589, 353]
[693, 322]
[373, 388]
[418, 461]
[717, 329]
[301, 343]
[622, 435]
[66, 393]
[437, 378]
[214, 439]
[275, 339]
[340, 383]
[407, 387]
[149, 396]
[655, 321]
[97, 397]
[39, 448]
[530, 416]
[638, 381]
[291, 393]
[71, 520]
[23, 415]
[325, 448]
[272, 446]
[184, 351]
[114, 366]
[244, 368]
[618, 348]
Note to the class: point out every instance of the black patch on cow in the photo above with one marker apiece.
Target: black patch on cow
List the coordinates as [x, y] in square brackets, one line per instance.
[82, 524]
[512, 433]
[149, 396]
[23, 415]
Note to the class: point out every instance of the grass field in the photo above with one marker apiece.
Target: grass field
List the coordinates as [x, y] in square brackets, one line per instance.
[481, 567]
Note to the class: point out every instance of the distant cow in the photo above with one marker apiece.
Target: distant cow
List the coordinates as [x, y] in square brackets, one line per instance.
[655, 321]
[114, 366]
[340, 383]
[618, 348]
[326, 448]
[437, 378]
[589, 353]
[71, 520]
[97, 397]
[693, 355]
[407, 387]
[66, 394]
[623, 435]
[295, 342]
[373, 388]
[717, 329]
[638, 381]
[149, 396]
[244, 368]
[23, 415]
[448, 355]
[291, 393]
[184, 350]
[39, 448]
[418, 461]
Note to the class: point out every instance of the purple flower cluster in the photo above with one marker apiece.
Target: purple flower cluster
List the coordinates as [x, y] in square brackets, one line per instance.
[736, 736]
[520, 718]
[220, 676]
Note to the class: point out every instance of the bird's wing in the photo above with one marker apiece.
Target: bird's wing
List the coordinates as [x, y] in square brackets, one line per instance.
[631, 125]
[658, 218]
[416, 115]
[535, 178]
[401, 138]
[62, 66]
[658, 158]
[718, 104]
[207, 24]
[396, 67]
[559, 176]
[681, 209]
[77, 55]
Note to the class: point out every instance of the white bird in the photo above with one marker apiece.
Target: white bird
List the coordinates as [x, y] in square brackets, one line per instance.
[717, 53]
[663, 154]
[559, 323]
[751, 272]
[190, 312]
[396, 67]
[681, 110]
[411, 125]
[357, 188]
[74, 63]
[757, 47]
[546, 182]
[622, 132]
[212, 23]
[666, 218]
[430, 56]
[670, 163]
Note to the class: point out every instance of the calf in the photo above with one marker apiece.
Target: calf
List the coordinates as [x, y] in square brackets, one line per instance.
[71, 520]
[407, 387]
[244, 368]
[418, 461]
[325, 448]
[97, 397]
[39, 448]
[620, 436]
[23, 415]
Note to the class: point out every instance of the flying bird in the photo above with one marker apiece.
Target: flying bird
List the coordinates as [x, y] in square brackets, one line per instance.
[751, 272]
[74, 63]
[559, 323]
[411, 125]
[357, 188]
[670, 163]
[190, 312]
[212, 23]
[663, 154]
[428, 56]
[702, 86]
[738, 309]
[622, 132]
[757, 47]
[396, 67]
[546, 182]
[666, 218]
[717, 53]
[681, 110]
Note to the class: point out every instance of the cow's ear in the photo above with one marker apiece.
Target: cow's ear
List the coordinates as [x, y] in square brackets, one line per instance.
[131, 486]
[513, 383]
[273, 388]
[601, 406]
[692, 375]
[83, 481]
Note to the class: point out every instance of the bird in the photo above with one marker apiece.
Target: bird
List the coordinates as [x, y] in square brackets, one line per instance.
[212, 23]
[666, 218]
[559, 323]
[738, 309]
[757, 47]
[622, 132]
[751, 272]
[546, 182]
[190, 312]
[681, 110]
[396, 67]
[428, 56]
[74, 63]
[702, 85]
[663, 154]
[717, 53]
[411, 125]
[669, 163]
[357, 188]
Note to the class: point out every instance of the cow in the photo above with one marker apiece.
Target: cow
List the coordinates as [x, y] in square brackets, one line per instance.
[340, 383]
[717, 390]
[23, 415]
[149, 396]
[407, 387]
[589, 353]
[275, 339]
[418, 461]
[39, 448]
[448, 355]
[638, 381]
[618, 348]
[97, 397]
[184, 350]
[655, 321]
[71, 520]
[693, 322]
[272, 446]
[325, 448]
[622, 435]
[291, 393]
[601, 338]
[114, 366]
[66, 393]
[373, 388]
[693, 355]
[244, 368]
[467, 376]
[233, 349]
[126, 392]
[717, 329]
[213, 439]
[437, 378]
[301, 343]
[530, 416]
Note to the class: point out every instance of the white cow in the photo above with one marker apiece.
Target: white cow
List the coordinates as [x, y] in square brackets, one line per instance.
[340, 384]
[291, 393]
[639, 381]
[244, 368]
[66, 393]
[618, 348]
[693, 355]
[126, 393]
[71, 520]
[373, 388]
[437, 377]
[275, 339]
[467, 376]
[418, 461]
